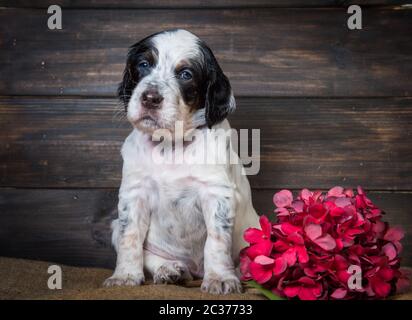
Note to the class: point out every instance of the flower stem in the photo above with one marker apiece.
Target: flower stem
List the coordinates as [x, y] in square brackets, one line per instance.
[267, 293]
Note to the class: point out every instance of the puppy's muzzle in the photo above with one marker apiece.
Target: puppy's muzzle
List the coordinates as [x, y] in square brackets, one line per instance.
[151, 98]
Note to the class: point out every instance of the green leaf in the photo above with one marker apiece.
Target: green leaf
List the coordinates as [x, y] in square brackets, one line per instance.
[267, 293]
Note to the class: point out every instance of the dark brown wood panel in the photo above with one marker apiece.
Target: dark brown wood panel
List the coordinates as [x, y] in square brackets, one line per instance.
[65, 226]
[190, 3]
[317, 143]
[72, 226]
[48, 142]
[265, 52]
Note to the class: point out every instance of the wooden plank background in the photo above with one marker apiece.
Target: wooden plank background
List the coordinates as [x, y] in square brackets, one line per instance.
[334, 108]
[75, 142]
[72, 226]
[145, 4]
[265, 52]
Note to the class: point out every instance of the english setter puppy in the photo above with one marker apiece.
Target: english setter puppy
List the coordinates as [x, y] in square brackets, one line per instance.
[178, 220]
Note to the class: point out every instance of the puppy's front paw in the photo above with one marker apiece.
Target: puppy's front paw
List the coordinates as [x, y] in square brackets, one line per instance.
[124, 280]
[219, 286]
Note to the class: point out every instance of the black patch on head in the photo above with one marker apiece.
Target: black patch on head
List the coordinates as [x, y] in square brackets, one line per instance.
[217, 90]
[142, 50]
[192, 91]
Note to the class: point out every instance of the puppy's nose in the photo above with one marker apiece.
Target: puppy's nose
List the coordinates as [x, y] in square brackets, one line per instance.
[151, 99]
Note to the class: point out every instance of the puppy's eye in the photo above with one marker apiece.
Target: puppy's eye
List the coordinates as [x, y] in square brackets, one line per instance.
[185, 75]
[143, 64]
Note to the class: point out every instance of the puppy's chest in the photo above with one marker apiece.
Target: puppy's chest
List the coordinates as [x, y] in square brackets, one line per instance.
[179, 212]
[174, 193]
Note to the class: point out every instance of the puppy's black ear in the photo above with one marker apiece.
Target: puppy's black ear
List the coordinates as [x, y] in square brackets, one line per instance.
[124, 91]
[219, 100]
[130, 75]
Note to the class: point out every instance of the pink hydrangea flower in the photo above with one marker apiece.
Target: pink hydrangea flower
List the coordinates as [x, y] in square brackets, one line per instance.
[307, 252]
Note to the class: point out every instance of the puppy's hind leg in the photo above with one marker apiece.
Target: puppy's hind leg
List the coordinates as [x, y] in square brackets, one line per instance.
[166, 271]
[116, 228]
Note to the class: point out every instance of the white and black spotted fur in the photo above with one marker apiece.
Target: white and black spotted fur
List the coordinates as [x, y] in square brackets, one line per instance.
[177, 221]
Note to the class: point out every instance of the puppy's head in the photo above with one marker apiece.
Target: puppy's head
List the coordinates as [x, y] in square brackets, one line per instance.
[174, 76]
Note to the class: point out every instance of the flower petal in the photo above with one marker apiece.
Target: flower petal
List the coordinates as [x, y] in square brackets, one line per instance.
[244, 268]
[313, 231]
[394, 234]
[306, 294]
[337, 212]
[253, 235]
[343, 202]
[290, 256]
[291, 291]
[326, 242]
[280, 266]
[339, 293]
[351, 233]
[386, 274]
[317, 210]
[262, 248]
[349, 193]
[341, 263]
[343, 276]
[265, 225]
[398, 246]
[390, 251]
[283, 198]
[305, 195]
[317, 289]
[298, 205]
[288, 228]
[264, 260]
[360, 202]
[381, 288]
[280, 246]
[335, 192]
[339, 244]
[307, 281]
[282, 212]
[310, 272]
[379, 227]
[302, 254]
[296, 238]
[260, 273]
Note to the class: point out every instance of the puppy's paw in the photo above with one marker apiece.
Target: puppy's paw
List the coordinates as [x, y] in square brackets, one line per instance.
[172, 272]
[124, 280]
[219, 286]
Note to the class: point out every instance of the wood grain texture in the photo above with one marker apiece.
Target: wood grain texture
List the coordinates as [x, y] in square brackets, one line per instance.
[265, 52]
[316, 143]
[65, 226]
[72, 226]
[191, 3]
